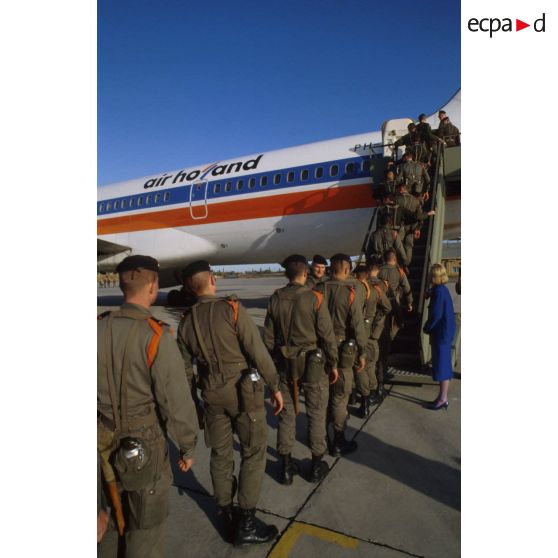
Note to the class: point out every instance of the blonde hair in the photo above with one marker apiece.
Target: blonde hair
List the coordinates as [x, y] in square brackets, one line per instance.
[438, 274]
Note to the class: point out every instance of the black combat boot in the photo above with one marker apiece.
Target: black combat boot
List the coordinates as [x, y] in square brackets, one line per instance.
[225, 517]
[381, 392]
[252, 530]
[374, 398]
[288, 469]
[364, 410]
[342, 446]
[319, 469]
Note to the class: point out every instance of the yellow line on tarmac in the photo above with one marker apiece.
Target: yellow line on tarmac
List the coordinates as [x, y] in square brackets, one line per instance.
[289, 539]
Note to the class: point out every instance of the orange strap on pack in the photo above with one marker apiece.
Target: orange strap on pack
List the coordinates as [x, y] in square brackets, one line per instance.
[319, 298]
[367, 287]
[234, 305]
[378, 290]
[153, 346]
[401, 272]
[352, 296]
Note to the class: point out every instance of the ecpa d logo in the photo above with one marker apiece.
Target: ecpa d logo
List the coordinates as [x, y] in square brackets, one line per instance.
[494, 24]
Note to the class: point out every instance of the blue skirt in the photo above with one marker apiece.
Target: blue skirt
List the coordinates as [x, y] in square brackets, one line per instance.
[441, 361]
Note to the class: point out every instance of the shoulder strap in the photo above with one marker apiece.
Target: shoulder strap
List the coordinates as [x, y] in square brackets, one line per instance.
[378, 290]
[319, 298]
[153, 346]
[103, 315]
[352, 295]
[367, 287]
[234, 305]
[401, 272]
[199, 337]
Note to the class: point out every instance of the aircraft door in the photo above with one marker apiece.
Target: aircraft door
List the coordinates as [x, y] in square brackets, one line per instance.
[198, 200]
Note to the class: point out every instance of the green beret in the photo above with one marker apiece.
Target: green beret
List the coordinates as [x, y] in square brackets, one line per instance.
[195, 267]
[132, 263]
[294, 258]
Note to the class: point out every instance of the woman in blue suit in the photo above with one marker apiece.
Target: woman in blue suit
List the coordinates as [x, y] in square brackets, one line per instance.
[441, 328]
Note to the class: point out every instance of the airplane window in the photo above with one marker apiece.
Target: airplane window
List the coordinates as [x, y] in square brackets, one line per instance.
[124, 204]
[366, 165]
[101, 207]
[157, 198]
[148, 199]
[216, 188]
[290, 177]
[349, 168]
[334, 170]
[251, 183]
[109, 206]
[263, 181]
[239, 184]
[228, 186]
[166, 197]
[140, 201]
[304, 175]
[277, 179]
[319, 172]
[132, 202]
[116, 205]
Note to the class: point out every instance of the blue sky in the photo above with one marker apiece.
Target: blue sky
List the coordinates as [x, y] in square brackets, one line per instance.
[184, 83]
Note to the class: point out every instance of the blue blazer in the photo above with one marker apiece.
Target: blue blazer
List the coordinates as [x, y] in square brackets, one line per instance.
[441, 318]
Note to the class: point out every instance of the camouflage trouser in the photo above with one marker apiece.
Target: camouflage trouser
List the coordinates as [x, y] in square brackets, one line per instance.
[366, 380]
[221, 420]
[316, 396]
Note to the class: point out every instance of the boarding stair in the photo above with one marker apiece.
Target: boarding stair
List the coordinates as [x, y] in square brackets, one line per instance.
[411, 348]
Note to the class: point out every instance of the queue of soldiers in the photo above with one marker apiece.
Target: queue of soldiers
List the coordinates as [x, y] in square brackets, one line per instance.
[406, 189]
[323, 336]
[107, 280]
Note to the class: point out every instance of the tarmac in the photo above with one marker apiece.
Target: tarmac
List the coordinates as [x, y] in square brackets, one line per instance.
[398, 495]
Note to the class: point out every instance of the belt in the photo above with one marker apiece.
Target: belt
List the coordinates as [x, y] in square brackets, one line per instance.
[134, 423]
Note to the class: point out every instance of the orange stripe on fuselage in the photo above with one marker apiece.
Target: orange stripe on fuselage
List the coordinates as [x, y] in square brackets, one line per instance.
[315, 201]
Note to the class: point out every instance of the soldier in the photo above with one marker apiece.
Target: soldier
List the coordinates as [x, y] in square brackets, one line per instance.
[225, 342]
[413, 174]
[448, 131]
[375, 309]
[414, 144]
[299, 334]
[426, 134]
[412, 217]
[398, 289]
[345, 300]
[383, 310]
[386, 237]
[141, 397]
[318, 269]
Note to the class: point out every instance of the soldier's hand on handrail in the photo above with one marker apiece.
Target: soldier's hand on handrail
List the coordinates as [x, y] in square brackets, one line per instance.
[277, 402]
[431, 212]
[416, 234]
[185, 464]
[333, 376]
[362, 364]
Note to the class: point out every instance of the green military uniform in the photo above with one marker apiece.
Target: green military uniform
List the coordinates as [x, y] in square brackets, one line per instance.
[415, 145]
[383, 240]
[297, 323]
[414, 176]
[312, 282]
[398, 289]
[345, 300]
[376, 308]
[448, 132]
[142, 393]
[225, 342]
[412, 217]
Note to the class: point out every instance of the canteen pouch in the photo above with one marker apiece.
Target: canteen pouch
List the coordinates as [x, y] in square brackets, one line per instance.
[133, 461]
[348, 353]
[315, 366]
[251, 392]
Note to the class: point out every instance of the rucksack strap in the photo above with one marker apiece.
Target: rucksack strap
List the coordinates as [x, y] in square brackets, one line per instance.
[199, 337]
[234, 305]
[153, 346]
[352, 296]
[378, 290]
[319, 298]
[367, 287]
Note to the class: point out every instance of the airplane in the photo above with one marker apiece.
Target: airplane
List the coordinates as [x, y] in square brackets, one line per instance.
[313, 198]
